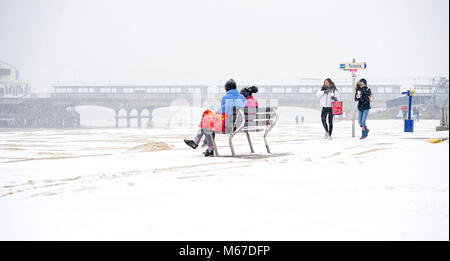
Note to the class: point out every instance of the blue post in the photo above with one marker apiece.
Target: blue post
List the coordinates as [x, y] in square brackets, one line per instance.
[409, 107]
[409, 124]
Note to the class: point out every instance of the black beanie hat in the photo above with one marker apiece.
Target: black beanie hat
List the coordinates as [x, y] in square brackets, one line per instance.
[230, 84]
[253, 89]
[363, 81]
[247, 92]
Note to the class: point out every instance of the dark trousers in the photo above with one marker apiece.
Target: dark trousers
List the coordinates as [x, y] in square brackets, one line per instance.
[327, 112]
[208, 139]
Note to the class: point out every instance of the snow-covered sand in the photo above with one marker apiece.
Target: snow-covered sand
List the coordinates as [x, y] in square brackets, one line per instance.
[146, 184]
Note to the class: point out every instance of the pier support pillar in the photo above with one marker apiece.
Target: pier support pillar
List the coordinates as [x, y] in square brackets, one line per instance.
[139, 117]
[117, 118]
[128, 118]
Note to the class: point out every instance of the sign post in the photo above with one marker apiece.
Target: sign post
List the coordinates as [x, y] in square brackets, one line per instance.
[353, 67]
[354, 102]
[409, 124]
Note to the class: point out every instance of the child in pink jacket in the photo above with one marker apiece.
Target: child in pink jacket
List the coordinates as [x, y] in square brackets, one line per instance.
[248, 94]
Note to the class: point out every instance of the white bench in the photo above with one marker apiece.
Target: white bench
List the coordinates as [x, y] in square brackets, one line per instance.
[248, 120]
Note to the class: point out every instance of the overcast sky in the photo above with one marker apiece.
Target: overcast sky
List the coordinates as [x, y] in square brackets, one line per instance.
[207, 41]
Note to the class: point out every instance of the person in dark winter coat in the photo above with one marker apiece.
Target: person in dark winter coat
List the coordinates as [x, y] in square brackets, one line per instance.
[363, 95]
[327, 94]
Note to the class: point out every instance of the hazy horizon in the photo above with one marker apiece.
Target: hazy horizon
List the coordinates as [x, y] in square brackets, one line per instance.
[207, 42]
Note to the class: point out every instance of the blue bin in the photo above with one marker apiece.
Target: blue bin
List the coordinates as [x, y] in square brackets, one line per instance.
[409, 125]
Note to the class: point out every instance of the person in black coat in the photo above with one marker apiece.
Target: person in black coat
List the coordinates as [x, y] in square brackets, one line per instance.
[363, 95]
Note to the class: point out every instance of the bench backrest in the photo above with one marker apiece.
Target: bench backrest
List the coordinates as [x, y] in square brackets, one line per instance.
[256, 119]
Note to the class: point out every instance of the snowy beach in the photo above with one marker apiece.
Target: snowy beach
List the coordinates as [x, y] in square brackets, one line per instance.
[146, 184]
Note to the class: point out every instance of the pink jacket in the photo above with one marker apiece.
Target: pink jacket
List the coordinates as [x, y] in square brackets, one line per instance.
[251, 102]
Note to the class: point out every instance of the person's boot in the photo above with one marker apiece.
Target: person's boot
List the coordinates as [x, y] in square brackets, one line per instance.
[209, 153]
[329, 135]
[367, 132]
[363, 134]
[191, 144]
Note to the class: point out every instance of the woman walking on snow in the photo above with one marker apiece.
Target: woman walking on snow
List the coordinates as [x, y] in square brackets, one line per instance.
[327, 94]
[363, 95]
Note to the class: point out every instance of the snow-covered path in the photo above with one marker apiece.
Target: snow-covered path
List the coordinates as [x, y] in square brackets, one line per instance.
[131, 184]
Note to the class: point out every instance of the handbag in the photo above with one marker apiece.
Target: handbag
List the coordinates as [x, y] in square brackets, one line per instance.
[212, 121]
[337, 108]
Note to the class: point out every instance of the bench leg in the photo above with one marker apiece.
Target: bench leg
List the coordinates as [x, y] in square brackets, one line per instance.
[236, 129]
[230, 141]
[250, 142]
[267, 145]
[216, 151]
[268, 129]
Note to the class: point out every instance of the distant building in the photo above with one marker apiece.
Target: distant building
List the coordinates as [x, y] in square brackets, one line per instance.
[10, 86]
